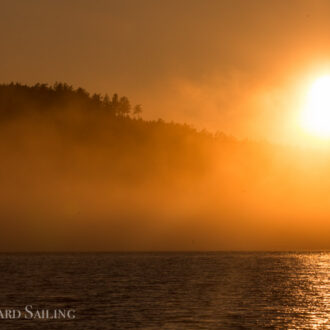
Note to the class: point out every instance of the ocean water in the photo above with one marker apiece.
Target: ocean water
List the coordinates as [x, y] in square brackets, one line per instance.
[219, 290]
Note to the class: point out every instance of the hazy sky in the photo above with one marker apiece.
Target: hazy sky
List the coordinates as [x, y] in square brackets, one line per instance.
[239, 66]
[235, 65]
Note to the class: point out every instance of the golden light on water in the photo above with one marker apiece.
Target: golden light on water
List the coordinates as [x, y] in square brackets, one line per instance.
[316, 114]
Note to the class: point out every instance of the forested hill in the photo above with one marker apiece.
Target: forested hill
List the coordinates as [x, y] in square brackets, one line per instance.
[70, 119]
[77, 118]
[64, 102]
[15, 98]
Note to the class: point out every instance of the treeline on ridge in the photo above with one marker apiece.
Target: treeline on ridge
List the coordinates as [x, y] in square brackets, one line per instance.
[15, 97]
[107, 129]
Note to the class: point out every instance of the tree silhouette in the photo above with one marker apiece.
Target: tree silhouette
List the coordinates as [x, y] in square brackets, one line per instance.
[124, 106]
[137, 110]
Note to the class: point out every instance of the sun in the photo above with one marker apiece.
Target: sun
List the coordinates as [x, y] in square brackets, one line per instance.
[316, 114]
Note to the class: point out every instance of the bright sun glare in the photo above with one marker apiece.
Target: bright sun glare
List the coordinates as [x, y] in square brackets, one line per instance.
[316, 115]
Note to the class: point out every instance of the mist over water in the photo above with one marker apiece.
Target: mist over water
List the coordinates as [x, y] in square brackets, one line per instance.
[77, 176]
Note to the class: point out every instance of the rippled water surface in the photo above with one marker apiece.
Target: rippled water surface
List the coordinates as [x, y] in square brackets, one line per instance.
[170, 290]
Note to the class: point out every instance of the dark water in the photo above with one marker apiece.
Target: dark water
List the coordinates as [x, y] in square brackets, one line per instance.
[169, 290]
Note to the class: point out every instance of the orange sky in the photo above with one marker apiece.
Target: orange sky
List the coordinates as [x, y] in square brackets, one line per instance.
[241, 67]
[234, 66]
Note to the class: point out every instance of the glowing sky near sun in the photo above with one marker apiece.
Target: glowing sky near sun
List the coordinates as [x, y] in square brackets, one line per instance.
[316, 116]
[236, 66]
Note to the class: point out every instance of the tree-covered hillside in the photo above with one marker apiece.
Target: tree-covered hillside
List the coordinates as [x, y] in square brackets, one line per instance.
[15, 98]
